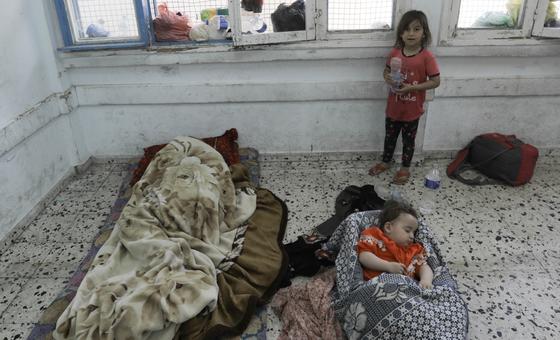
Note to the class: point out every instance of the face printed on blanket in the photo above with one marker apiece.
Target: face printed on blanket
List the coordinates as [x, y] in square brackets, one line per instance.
[390, 247]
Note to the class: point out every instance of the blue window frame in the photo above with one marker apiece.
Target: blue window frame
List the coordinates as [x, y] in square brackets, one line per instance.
[103, 24]
[116, 24]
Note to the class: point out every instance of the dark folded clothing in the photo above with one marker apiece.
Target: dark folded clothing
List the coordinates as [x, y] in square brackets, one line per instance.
[302, 258]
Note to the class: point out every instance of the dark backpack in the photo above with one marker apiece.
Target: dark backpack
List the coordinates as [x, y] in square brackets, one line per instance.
[289, 18]
[254, 6]
[500, 157]
[349, 200]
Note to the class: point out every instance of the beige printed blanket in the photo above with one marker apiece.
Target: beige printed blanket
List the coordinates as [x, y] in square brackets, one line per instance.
[158, 267]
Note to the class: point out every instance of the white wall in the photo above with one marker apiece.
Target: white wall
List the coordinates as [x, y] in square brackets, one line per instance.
[28, 69]
[277, 106]
[36, 143]
[333, 103]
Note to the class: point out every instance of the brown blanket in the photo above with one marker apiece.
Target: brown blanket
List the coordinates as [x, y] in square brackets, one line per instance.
[254, 276]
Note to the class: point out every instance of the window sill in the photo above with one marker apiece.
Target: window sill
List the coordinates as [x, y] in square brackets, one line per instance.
[225, 52]
[510, 41]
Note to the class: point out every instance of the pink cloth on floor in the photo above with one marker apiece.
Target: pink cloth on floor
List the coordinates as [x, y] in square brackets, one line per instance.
[305, 309]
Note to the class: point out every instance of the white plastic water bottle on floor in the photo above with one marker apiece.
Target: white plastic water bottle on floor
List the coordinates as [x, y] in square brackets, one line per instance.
[382, 191]
[386, 194]
[397, 196]
[432, 183]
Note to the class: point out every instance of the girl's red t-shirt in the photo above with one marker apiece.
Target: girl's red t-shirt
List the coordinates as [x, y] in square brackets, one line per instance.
[415, 69]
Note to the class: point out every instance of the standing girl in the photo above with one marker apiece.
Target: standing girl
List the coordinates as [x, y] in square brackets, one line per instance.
[419, 72]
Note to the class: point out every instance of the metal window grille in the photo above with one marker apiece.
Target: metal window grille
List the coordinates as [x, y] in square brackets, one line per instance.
[116, 17]
[192, 8]
[473, 12]
[360, 14]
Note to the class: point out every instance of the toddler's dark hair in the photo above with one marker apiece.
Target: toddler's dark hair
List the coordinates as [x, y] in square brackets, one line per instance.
[406, 19]
[392, 209]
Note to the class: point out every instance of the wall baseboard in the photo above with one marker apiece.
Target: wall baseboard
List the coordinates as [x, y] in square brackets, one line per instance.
[38, 116]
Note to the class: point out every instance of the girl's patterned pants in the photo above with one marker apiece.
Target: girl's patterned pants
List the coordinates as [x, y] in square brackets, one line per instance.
[392, 130]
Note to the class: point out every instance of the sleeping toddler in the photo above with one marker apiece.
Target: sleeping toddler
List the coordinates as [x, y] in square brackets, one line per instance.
[389, 247]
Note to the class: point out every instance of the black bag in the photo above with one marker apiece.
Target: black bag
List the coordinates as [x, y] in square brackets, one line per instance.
[254, 6]
[289, 18]
[500, 157]
[351, 199]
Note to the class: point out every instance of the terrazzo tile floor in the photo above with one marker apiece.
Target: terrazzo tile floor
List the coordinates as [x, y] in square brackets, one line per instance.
[501, 243]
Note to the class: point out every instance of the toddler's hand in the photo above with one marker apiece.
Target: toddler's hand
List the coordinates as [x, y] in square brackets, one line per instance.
[396, 268]
[426, 284]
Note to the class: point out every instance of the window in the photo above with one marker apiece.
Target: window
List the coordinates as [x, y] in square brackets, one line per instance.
[489, 14]
[277, 21]
[88, 24]
[184, 21]
[360, 15]
[497, 21]
[547, 21]
[95, 23]
[366, 19]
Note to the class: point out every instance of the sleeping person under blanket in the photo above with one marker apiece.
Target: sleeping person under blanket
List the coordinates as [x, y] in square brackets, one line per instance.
[389, 247]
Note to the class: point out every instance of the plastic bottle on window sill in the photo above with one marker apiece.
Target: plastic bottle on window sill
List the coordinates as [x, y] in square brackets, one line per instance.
[252, 22]
[96, 30]
[208, 13]
[124, 26]
[218, 23]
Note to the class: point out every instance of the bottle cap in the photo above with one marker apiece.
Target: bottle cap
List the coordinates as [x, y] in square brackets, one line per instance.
[222, 11]
[218, 22]
[263, 28]
[432, 184]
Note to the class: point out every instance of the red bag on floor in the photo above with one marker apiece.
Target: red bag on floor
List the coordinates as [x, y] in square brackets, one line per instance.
[497, 156]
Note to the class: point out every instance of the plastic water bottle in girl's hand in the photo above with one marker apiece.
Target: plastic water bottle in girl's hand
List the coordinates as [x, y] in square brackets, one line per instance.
[396, 76]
